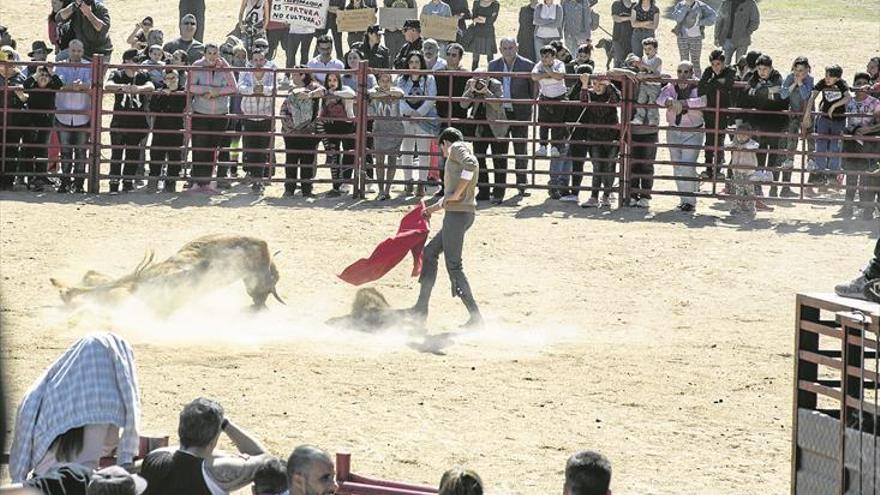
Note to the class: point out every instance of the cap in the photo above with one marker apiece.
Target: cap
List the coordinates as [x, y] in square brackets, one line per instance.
[412, 24]
[39, 46]
[188, 17]
[115, 480]
[261, 43]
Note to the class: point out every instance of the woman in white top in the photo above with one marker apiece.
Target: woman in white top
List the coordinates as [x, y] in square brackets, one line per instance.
[548, 24]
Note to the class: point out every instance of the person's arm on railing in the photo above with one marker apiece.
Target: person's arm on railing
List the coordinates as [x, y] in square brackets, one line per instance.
[430, 90]
[838, 104]
[808, 109]
[246, 84]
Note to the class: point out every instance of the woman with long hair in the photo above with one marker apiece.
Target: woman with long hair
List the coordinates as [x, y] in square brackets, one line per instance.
[299, 112]
[335, 121]
[420, 91]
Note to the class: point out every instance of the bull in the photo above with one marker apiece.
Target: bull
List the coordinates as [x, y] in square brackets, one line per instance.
[205, 263]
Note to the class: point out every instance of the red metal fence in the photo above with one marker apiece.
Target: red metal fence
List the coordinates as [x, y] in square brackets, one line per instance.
[349, 148]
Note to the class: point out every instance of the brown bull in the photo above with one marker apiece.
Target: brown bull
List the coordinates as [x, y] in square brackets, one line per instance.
[201, 265]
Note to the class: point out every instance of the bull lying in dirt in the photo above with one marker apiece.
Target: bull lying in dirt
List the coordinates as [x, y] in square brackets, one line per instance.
[204, 264]
[370, 312]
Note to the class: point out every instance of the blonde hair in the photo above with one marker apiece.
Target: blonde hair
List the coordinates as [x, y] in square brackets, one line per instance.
[460, 481]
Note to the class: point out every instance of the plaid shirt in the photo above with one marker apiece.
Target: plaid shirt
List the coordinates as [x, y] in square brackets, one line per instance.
[93, 382]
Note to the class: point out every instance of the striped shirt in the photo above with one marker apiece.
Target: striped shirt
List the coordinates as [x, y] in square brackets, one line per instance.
[257, 105]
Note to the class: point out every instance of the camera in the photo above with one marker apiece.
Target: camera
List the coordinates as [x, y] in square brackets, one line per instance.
[481, 84]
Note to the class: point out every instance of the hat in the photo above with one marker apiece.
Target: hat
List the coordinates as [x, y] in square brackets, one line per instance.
[115, 480]
[39, 46]
[261, 43]
[188, 17]
[412, 24]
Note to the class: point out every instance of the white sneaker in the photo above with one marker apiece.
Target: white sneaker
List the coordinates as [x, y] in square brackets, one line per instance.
[605, 203]
[541, 151]
[571, 198]
[371, 188]
[637, 120]
[554, 151]
[643, 203]
[590, 203]
[345, 188]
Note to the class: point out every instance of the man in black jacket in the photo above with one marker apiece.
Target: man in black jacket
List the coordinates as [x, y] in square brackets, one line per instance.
[90, 23]
[717, 86]
[765, 85]
[515, 88]
[412, 32]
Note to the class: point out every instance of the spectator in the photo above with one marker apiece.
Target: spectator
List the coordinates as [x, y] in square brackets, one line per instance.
[253, 21]
[716, 85]
[863, 120]
[127, 130]
[330, 26]
[194, 48]
[451, 86]
[412, 33]
[377, 56]
[157, 73]
[40, 87]
[12, 91]
[196, 9]
[299, 112]
[180, 59]
[765, 93]
[336, 122]
[432, 55]
[354, 37]
[587, 473]
[685, 121]
[549, 73]
[138, 37]
[485, 13]
[577, 24]
[525, 34]
[276, 35]
[74, 411]
[235, 54]
[90, 24]
[548, 25]
[258, 88]
[271, 478]
[73, 128]
[621, 37]
[459, 481]
[743, 165]
[394, 38]
[64, 479]
[605, 135]
[211, 89]
[691, 18]
[352, 60]
[563, 55]
[417, 87]
[194, 466]
[796, 88]
[751, 64]
[645, 19]
[486, 110]
[584, 56]
[310, 471]
[39, 53]
[325, 59]
[168, 137]
[737, 20]
[459, 9]
[831, 122]
[515, 89]
[438, 8]
[300, 38]
[115, 480]
[646, 70]
[873, 69]
[388, 131]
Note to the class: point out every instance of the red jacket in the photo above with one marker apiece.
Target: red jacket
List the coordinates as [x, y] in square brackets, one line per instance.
[411, 237]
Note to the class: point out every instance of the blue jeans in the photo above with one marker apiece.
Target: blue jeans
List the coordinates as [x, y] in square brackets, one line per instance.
[73, 151]
[824, 125]
[733, 52]
[685, 160]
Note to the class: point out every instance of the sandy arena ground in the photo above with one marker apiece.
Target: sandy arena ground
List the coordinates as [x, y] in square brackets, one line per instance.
[660, 340]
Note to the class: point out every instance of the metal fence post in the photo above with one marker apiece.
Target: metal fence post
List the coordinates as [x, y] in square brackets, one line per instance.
[361, 103]
[97, 93]
[626, 142]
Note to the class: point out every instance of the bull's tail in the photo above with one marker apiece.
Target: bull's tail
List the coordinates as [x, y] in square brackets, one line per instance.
[145, 263]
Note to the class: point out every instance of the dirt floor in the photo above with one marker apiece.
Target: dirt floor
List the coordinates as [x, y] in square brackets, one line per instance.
[661, 340]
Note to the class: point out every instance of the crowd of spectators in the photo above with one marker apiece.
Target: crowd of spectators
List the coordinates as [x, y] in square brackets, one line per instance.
[85, 409]
[237, 94]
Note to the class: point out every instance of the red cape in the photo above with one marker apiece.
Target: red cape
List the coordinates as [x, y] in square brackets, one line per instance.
[410, 237]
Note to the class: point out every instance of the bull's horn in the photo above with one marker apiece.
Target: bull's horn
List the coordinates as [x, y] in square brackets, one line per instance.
[276, 253]
[275, 293]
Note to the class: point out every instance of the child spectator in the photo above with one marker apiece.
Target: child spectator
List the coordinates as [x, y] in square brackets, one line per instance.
[168, 138]
[387, 132]
[647, 67]
[549, 73]
[743, 164]
[863, 120]
[156, 72]
[797, 87]
[765, 93]
[39, 87]
[831, 122]
[716, 85]
[604, 134]
[459, 481]
[270, 477]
